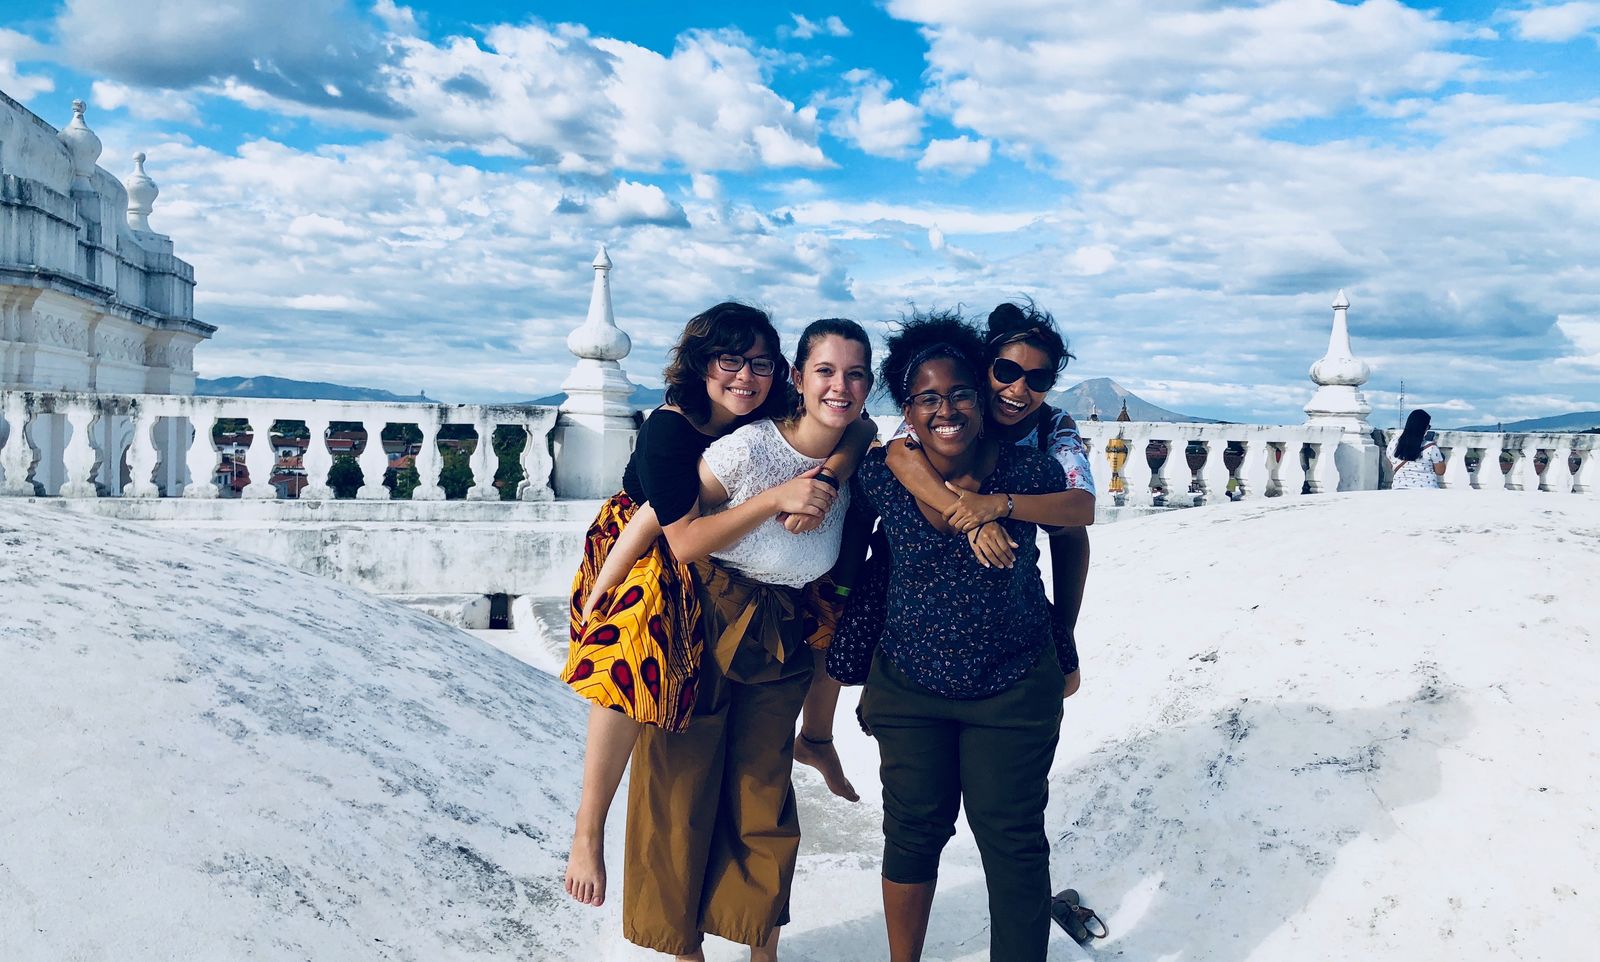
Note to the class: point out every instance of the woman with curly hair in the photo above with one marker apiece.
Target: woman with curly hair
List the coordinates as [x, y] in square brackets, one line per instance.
[963, 692]
[635, 621]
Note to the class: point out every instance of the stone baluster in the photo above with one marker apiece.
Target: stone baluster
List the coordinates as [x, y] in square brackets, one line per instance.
[374, 462]
[1094, 438]
[1324, 467]
[1587, 480]
[484, 462]
[142, 455]
[536, 461]
[202, 459]
[1456, 476]
[1558, 473]
[1136, 473]
[1214, 473]
[80, 457]
[1255, 471]
[428, 462]
[318, 461]
[1176, 474]
[260, 457]
[1521, 477]
[16, 458]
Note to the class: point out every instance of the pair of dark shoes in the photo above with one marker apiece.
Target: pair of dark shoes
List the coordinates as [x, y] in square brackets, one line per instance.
[1077, 919]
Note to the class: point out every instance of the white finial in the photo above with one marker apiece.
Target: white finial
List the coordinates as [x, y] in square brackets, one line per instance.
[142, 193]
[599, 338]
[1339, 375]
[82, 146]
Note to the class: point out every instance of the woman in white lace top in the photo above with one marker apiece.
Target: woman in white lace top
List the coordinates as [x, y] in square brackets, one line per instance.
[718, 832]
[1417, 462]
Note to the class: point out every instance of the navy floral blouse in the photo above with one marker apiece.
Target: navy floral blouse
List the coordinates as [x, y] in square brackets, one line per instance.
[953, 626]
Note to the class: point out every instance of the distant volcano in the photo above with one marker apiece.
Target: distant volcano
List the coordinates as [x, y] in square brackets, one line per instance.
[1105, 397]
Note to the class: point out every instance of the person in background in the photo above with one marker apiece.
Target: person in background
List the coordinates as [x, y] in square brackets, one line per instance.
[1417, 461]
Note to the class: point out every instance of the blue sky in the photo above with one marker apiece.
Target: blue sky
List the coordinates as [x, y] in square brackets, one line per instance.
[409, 196]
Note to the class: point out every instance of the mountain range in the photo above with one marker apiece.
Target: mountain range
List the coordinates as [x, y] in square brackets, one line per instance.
[1560, 423]
[282, 387]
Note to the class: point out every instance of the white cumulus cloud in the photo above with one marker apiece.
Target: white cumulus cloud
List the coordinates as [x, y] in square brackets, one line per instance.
[877, 123]
[961, 155]
[1557, 23]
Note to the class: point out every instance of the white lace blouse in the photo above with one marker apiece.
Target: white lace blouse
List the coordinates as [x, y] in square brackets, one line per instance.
[748, 462]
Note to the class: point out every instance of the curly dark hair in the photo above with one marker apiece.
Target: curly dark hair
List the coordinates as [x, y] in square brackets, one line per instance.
[727, 328]
[927, 336]
[1011, 322]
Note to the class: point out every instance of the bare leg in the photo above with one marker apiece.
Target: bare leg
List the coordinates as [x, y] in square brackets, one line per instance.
[768, 952]
[905, 910]
[814, 747]
[605, 758]
[698, 955]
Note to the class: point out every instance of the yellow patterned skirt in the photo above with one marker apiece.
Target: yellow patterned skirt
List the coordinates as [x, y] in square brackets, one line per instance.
[640, 652]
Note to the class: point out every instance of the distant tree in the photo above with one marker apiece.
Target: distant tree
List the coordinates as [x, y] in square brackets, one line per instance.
[508, 444]
[456, 477]
[344, 477]
[402, 482]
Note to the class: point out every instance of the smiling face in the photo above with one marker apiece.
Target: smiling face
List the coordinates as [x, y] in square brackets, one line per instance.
[944, 429]
[739, 393]
[835, 381]
[1010, 403]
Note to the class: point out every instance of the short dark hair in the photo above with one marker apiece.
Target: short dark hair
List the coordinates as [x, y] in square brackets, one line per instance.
[927, 336]
[816, 331]
[1010, 323]
[727, 328]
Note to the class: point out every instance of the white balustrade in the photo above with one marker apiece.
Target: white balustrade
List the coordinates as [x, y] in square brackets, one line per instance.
[374, 462]
[428, 463]
[1271, 465]
[1522, 476]
[1177, 476]
[260, 456]
[317, 461]
[537, 464]
[202, 459]
[1587, 480]
[483, 463]
[142, 456]
[79, 457]
[17, 457]
[1137, 476]
[1256, 471]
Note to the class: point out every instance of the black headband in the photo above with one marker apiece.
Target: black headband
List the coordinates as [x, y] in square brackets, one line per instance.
[939, 349]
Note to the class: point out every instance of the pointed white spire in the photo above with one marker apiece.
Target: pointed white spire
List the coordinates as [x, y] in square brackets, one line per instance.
[1339, 375]
[142, 193]
[599, 338]
[82, 146]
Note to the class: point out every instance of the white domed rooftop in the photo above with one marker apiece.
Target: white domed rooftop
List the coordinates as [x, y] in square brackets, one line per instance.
[1353, 727]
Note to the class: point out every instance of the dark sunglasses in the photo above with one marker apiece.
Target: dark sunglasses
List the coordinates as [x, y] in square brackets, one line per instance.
[1006, 371]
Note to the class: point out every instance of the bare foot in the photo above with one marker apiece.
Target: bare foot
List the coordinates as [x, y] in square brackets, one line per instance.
[586, 870]
[825, 759]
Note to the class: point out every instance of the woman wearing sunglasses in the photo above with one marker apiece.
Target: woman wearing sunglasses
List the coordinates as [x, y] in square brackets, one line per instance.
[1026, 355]
[964, 689]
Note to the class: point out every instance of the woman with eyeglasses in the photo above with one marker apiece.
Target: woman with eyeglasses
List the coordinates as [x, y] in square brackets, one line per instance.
[636, 616]
[1026, 355]
[963, 693]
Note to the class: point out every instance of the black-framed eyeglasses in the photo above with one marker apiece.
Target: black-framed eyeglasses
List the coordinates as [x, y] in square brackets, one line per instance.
[1006, 371]
[929, 402]
[734, 363]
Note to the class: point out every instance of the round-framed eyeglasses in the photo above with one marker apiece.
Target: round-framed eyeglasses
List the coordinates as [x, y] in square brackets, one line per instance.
[929, 402]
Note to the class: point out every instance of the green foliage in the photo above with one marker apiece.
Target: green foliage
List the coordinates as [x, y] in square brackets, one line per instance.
[402, 482]
[456, 477]
[344, 477]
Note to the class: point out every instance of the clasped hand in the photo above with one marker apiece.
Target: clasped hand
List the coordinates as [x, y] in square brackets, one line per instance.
[972, 509]
[802, 504]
